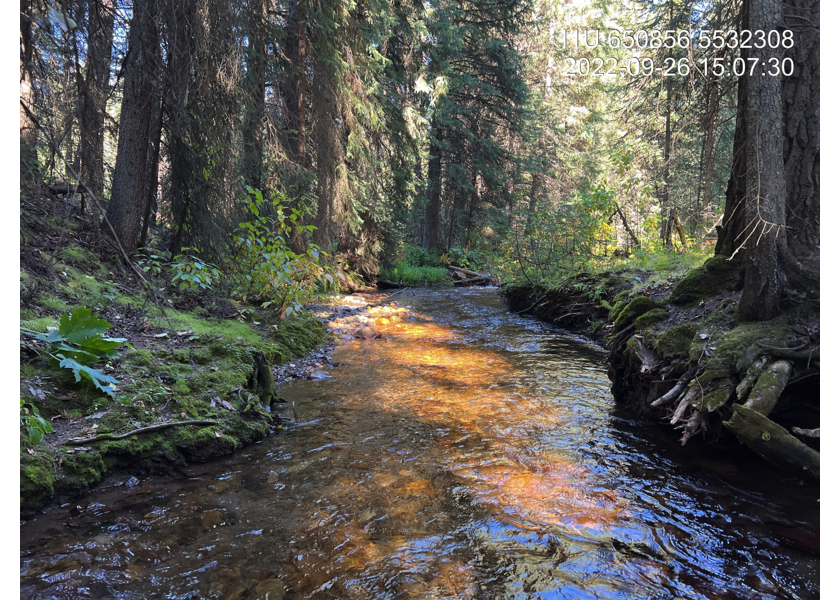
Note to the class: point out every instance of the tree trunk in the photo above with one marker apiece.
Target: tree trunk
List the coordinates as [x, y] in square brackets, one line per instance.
[764, 277]
[296, 101]
[666, 192]
[255, 91]
[731, 231]
[801, 145]
[127, 195]
[704, 185]
[94, 97]
[432, 221]
[333, 187]
[153, 167]
[772, 201]
[27, 128]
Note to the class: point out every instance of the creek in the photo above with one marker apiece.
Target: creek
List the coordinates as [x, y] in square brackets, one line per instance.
[469, 453]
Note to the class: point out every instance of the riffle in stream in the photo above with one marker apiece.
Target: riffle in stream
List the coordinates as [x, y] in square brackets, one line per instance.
[469, 453]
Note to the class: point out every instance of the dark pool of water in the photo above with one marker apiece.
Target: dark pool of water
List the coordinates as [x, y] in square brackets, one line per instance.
[471, 453]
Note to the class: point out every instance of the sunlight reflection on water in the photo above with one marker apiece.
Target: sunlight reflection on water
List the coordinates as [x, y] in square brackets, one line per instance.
[470, 456]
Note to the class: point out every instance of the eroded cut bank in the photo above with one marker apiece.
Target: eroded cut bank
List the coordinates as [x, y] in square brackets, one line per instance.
[677, 354]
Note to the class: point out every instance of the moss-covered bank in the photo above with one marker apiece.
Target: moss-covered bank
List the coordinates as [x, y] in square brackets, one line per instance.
[203, 358]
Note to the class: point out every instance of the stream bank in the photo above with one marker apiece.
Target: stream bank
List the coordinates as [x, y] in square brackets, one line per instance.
[193, 376]
[678, 355]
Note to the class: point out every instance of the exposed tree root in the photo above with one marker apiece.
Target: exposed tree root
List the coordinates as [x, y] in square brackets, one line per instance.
[110, 436]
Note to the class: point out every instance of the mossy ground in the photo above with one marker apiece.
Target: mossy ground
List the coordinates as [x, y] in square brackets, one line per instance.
[189, 363]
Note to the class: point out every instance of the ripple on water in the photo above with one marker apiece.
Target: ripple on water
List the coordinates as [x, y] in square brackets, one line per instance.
[470, 453]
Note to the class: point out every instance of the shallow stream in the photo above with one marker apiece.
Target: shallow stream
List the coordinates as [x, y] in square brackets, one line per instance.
[469, 453]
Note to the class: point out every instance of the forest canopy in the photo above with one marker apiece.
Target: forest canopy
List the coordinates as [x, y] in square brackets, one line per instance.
[527, 137]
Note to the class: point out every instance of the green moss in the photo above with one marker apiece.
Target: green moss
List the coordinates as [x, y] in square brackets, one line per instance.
[733, 351]
[675, 341]
[202, 356]
[297, 336]
[649, 318]
[79, 257]
[52, 304]
[204, 444]
[128, 301]
[83, 469]
[82, 287]
[180, 387]
[717, 274]
[620, 302]
[227, 329]
[181, 355]
[138, 357]
[37, 481]
[28, 285]
[40, 325]
[714, 399]
[636, 308]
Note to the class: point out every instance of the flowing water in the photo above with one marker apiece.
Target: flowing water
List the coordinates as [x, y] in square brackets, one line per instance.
[470, 453]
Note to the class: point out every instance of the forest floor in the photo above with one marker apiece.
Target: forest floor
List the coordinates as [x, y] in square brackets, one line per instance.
[678, 355]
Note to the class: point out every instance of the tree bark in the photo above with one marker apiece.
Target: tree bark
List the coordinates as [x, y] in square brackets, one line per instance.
[731, 231]
[153, 166]
[94, 96]
[255, 90]
[764, 277]
[127, 195]
[28, 133]
[666, 192]
[801, 145]
[333, 187]
[772, 200]
[431, 227]
[296, 101]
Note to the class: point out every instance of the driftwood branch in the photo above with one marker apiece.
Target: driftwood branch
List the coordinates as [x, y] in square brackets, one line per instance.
[669, 395]
[110, 436]
[812, 433]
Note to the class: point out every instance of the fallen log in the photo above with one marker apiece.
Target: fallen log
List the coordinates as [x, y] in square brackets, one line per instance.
[387, 284]
[773, 443]
[466, 271]
[66, 188]
[482, 280]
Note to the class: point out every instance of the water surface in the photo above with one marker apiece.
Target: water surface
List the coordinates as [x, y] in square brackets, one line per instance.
[470, 453]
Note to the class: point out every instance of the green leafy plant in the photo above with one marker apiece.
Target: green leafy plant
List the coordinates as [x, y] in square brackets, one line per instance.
[77, 344]
[269, 271]
[152, 263]
[191, 273]
[31, 420]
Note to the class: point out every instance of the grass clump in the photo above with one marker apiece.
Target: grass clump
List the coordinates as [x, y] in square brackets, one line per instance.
[411, 275]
